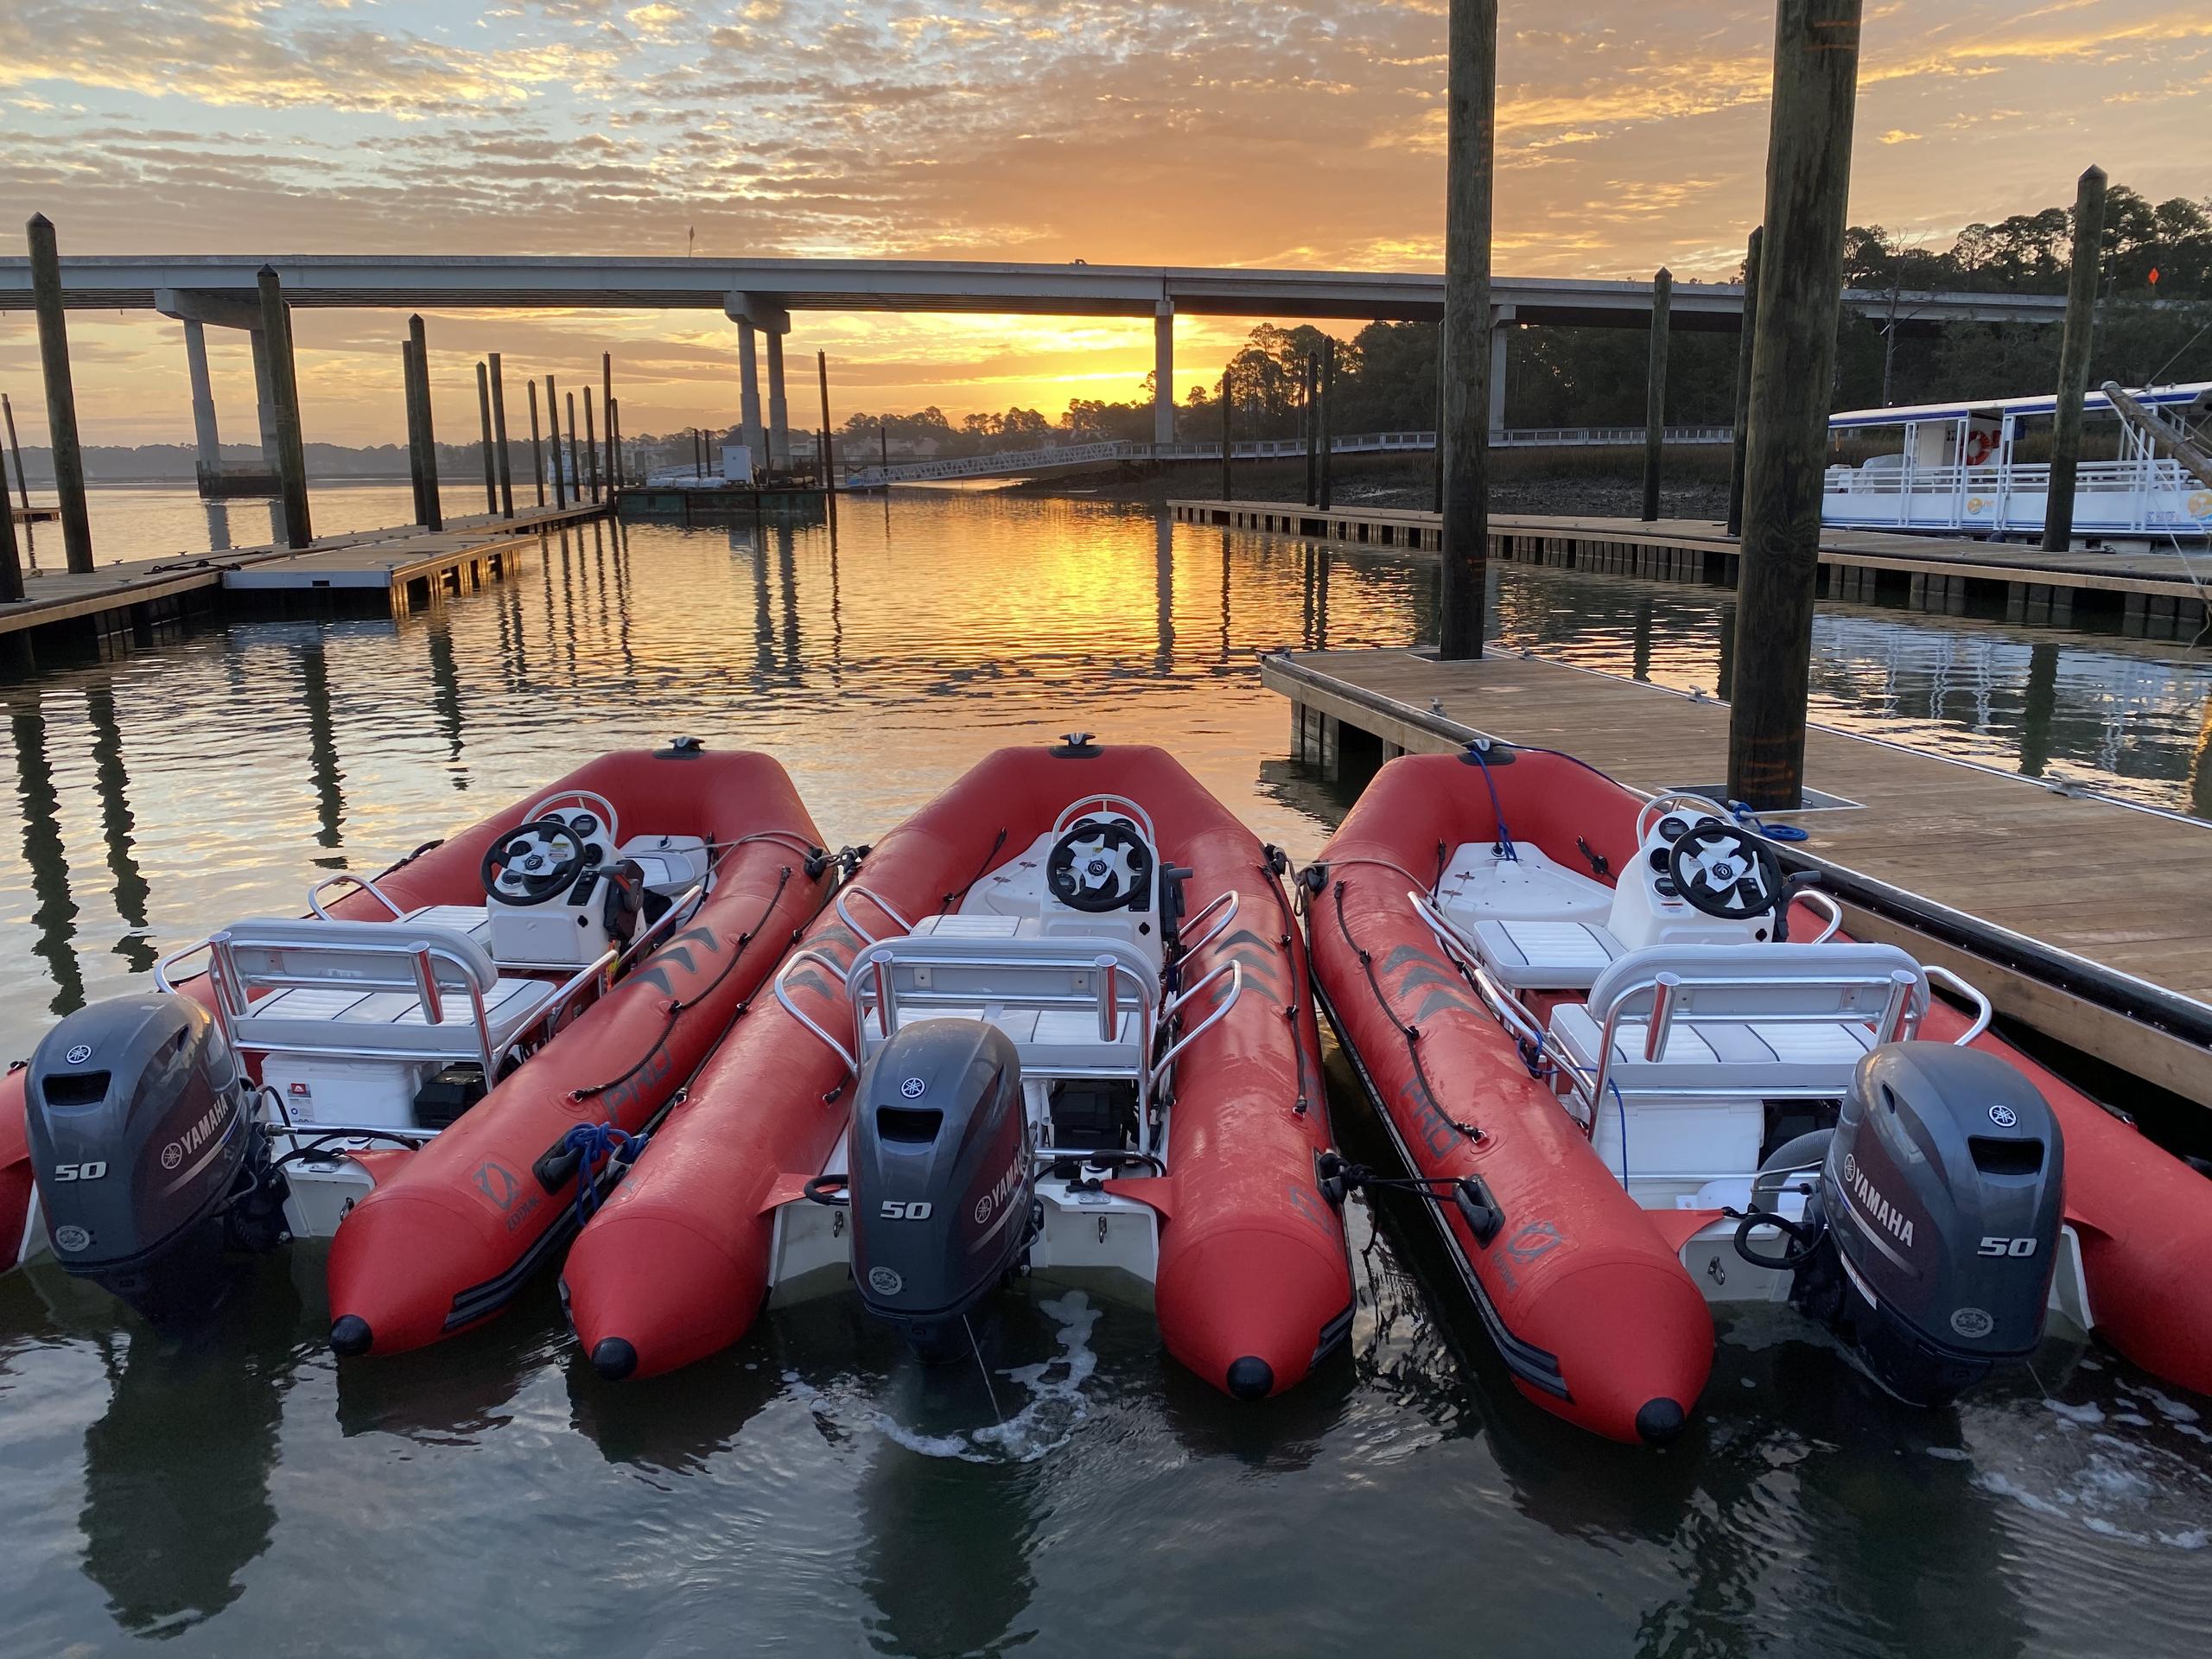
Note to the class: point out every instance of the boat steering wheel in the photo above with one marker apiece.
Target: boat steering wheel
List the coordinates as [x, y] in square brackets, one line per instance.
[533, 864]
[591, 801]
[1724, 872]
[1100, 864]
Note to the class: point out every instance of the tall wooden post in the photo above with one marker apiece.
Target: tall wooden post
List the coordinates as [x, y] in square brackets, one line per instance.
[11, 565]
[22, 483]
[606, 407]
[500, 440]
[1325, 410]
[553, 442]
[1308, 424]
[537, 451]
[284, 385]
[1228, 390]
[1655, 391]
[60, 393]
[591, 446]
[1793, 363]
[2074, 359]
[613, 445]
[414, 434]
[1470, 139]
[484, 421]
[829, 460]
[576, 470]
[1740, 433]
[425, 430]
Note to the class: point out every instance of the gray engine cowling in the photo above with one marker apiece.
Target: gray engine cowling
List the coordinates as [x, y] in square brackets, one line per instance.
[148, 1161]
[1942, 1194]
[940, 1175]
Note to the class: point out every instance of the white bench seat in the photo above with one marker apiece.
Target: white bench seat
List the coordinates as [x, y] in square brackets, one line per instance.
[1804, 1061]
[1052, 1042]
[1546, 956]
[390, 1022]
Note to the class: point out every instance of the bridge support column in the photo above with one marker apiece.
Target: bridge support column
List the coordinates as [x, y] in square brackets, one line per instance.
[1163, 374]
[209, 455]
[1501, 320]
[748, 372]
[264, 397]
[779, 431]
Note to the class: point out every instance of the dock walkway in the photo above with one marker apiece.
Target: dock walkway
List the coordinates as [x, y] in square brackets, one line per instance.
[410, 563]
[2153, 591]
[2088, 919]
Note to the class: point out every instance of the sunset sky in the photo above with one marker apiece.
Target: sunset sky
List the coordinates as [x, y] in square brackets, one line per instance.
[1266, 132]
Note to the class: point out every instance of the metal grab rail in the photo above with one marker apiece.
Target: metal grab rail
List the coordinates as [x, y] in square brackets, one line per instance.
[861, 933]
[234, 991]
[162, 981]
[852, 1066]
[1227, 899]
[1167, 1060]
[1504, 1007]
[1135, 813]
[1983, 1012]
[366, 885]
[1821, 900]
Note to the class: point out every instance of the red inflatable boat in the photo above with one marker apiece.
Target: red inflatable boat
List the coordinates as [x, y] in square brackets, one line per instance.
[1631, 1093]
[1059, 1022]
[429, 1060]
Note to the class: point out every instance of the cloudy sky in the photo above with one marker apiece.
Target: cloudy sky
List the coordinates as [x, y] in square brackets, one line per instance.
[1269, 132]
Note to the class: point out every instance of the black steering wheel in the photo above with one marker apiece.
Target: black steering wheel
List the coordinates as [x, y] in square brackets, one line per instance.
[1100, 864]
[1724, 872]
[537, 861]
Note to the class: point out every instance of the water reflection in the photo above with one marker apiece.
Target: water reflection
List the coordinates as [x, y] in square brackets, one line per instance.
[46, 859]
[113, 778]
[323, 770]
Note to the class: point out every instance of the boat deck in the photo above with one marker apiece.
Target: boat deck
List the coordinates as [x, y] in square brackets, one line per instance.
[2086, 918]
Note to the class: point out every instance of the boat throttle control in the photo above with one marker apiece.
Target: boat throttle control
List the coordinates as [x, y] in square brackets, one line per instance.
[150, 1166]
[942, 1179]
[1930, 1230]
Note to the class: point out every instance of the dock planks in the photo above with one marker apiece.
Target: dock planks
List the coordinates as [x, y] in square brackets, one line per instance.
[2066, 909]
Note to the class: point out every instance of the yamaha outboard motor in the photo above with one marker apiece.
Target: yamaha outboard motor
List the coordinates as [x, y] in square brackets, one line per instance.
[149, 1162]
[940, 1178]
[1930, 1237]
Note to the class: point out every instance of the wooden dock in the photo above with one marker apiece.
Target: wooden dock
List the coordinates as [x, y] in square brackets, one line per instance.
[411, 565]
[2086, 919]
[34, 515]
[2152, 594]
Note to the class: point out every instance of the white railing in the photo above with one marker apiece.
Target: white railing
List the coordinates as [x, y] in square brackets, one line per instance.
[1076, 454]
[2148, 496]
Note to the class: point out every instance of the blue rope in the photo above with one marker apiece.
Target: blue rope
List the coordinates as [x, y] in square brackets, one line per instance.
[1771, 831]
[1503, 845]
[597, 1144]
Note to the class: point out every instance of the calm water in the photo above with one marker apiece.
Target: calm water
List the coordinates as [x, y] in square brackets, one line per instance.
[812, 1490]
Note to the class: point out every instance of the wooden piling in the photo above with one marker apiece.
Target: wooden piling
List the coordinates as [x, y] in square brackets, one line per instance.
[484, 420]
[284, 386]
[16, 449]
[425, 430]
[1655, 391]
[1470, 137]
[829, 460]
[1744, 383]
[1801, 287]
[2074, 359]
[1326, 407]
[60, 393]
[1306, 369]
[591, 446]
[613, 446]
[1228, 390]
[553, 442]
[499, 439]
[414, 436]
[537, 451]
[11, 565]
[576, 471]
[606, 408]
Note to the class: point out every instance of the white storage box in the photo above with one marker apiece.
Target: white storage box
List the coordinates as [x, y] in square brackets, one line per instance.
[356, 1093]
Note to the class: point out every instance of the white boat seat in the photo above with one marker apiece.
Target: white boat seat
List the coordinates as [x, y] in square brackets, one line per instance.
[1478, 885]
[350, 987]
[1769, 1019]
[1052, 1042]
[475, 920]
[1534, 956]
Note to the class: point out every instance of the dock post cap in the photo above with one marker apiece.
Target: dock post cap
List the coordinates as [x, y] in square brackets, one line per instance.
[38, 222]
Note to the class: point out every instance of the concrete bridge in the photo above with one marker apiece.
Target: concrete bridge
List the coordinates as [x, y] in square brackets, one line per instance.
[759, 295]
[1052, 458]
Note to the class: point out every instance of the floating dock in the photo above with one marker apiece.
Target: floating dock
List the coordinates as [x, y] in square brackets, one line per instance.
[34, 515]
[2153, 594]
[411, 566]
[2086, 919]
